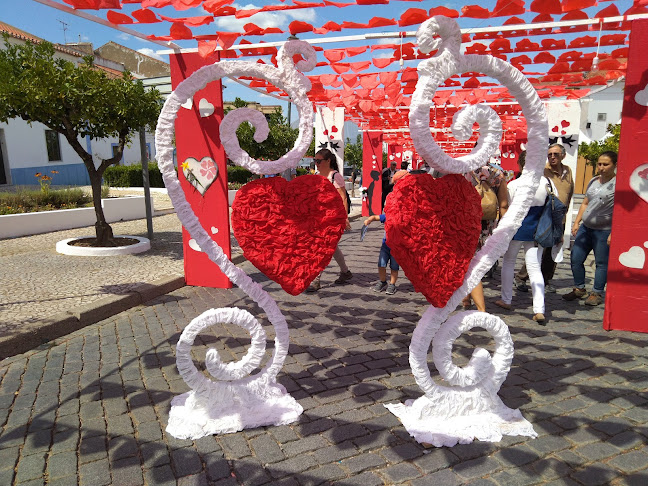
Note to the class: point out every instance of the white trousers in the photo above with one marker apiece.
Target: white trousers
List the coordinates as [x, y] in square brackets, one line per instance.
[533, 259]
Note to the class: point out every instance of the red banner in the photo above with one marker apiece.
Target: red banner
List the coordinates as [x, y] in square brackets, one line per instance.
[371, 172]
[626, 302]
[202, 170]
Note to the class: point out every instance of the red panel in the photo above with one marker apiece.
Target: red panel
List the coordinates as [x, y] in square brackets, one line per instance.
[371, 172]
[198, 137]
[626, 302]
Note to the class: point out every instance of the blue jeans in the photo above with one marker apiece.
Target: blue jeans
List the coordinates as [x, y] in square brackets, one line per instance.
[588, 239]
[386, 257]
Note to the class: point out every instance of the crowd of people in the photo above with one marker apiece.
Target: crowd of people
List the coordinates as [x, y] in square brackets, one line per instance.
[591, 229]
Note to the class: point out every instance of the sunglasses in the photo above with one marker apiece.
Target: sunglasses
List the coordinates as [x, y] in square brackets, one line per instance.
[553, 155]
[317, 161]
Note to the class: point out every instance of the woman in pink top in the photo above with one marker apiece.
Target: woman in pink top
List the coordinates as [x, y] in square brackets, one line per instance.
[327, 166]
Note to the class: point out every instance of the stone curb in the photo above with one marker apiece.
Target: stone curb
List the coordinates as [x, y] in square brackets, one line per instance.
[37, 333]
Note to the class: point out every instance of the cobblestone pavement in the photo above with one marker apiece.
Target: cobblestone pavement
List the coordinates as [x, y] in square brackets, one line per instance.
[91, 408]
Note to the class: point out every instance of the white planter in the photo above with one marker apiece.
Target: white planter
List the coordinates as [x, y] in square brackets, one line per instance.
[65, 248]
[115, 209]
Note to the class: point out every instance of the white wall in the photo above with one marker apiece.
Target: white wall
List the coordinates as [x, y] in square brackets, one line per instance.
[608, 101]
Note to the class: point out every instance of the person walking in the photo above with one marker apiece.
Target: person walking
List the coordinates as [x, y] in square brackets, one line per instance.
[592, 228]
[524, 238]
[488, 178]
[561, 176]
[327, 166]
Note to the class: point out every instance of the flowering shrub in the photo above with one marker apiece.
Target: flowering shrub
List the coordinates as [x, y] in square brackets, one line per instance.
[31, 201]
[45, 180]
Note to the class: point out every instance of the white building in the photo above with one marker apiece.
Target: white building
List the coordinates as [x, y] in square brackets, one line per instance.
[29, 149]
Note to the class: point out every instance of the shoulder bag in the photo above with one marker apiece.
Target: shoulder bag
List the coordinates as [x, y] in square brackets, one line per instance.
[550, 229]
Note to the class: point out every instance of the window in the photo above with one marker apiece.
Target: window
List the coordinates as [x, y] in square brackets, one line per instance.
[53, 146]
[114, 147]
[601, 117]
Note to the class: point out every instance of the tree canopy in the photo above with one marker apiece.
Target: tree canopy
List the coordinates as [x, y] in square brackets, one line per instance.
[279, 142]
[353, 152]
[591, 151]
[75, 101]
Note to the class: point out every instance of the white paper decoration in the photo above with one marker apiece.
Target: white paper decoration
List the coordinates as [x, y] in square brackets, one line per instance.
[471, 408]
[243, 401]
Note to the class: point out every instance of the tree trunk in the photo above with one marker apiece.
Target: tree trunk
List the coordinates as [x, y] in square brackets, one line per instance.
[102, 229]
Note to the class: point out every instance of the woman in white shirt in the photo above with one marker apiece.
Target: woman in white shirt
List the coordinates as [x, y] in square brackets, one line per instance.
[532, 253]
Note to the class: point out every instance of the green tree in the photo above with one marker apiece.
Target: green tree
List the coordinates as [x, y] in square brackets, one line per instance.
[591, 151]
[280, 140]
[76, 101]
[353, 152]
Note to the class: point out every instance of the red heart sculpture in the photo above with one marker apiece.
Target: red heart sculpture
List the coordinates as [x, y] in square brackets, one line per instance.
[433, 227]
[289, 230]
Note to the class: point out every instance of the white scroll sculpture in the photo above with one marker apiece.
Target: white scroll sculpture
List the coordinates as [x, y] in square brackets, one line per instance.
[240, 401]
[470, 408]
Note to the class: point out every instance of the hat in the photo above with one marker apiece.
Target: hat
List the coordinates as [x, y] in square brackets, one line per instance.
[399, 175]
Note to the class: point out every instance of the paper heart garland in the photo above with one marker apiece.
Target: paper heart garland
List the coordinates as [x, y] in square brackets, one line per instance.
[432, 227]
[200, 174]
[289, 230]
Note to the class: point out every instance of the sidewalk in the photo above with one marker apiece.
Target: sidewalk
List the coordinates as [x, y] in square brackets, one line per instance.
[91, 408]
[46, 295]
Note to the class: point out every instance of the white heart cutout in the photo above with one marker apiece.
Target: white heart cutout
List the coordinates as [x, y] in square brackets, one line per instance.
[188, 104]
[639, 181]
[641, 96]
[205, 108]
[200, 174]
[193, 245]
[633, 258]
[214, 230]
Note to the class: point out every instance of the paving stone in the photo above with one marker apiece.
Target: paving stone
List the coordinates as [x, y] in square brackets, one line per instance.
[445, 477]
[216, 467]
[595, 475]
[402, 472]
[30, 467]
[162, 475]
[402, 452]
[362, 461]
[127, 472]
[293, 465]
[185, 462]
[335, 452]
[97, 472]
[597, 451]
[476, 468]
[327, 474]
[251, 471]
[92, 449]
[630, 462]
[61, 465]
[266, 449]
[549, 443]
[516, 456]
[307, 444]
[364, 479]
[234, 446]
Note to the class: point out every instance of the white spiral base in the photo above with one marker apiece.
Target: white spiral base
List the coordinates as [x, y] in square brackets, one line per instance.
[216, 407]
[470, 409]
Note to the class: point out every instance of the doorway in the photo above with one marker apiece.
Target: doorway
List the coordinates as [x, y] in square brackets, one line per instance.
[3, 170]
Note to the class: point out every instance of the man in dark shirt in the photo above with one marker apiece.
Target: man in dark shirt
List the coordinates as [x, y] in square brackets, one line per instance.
[387, 181]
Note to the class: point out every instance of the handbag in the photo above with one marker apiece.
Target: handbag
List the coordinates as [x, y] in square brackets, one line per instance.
[489, 201]
[550, 229]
